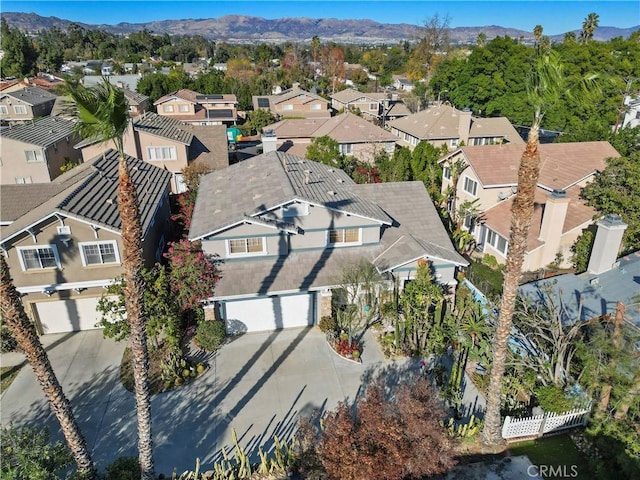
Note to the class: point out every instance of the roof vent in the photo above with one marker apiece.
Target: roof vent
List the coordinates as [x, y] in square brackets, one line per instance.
[502, 196]
[307, 177]
[331, 192]
[340, 180]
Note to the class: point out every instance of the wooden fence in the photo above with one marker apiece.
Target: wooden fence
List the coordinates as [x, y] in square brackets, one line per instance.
[538, 425]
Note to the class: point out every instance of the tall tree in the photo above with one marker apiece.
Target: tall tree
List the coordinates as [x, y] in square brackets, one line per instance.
[102, 113]
[588, 27]
[14, 317]
[537, 34]
[546, 84]
[19, 59]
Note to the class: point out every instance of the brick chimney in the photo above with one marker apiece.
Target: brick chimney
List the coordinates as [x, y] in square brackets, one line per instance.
[464, 125]
[607, 244]
[553, 216]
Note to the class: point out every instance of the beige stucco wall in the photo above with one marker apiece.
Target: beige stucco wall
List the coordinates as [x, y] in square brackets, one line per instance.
[40, 110]
[14, 161]
[189, 107]
[302, 108]
[366, 152]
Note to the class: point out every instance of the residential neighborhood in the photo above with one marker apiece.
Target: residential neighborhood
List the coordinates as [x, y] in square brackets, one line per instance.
[308, 258]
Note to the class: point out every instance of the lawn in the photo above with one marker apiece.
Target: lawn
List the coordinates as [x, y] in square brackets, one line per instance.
[557, 455]
[7, 374]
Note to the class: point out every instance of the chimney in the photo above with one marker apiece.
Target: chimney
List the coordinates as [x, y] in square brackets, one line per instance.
[307, 177]
[269, 141]
[553, 216]
[464, 125]
[607, 244]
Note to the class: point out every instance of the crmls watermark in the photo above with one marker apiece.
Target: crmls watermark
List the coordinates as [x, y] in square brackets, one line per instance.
[553, 471]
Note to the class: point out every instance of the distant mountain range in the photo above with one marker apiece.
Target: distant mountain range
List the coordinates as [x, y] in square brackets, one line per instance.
[245, 29]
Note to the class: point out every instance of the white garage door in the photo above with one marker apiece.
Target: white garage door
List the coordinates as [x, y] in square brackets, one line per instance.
[68, 315]
[269, 313]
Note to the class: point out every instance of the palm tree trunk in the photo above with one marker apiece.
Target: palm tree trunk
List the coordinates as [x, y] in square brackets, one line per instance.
[521, 214]
[134, 294]
[14, 316]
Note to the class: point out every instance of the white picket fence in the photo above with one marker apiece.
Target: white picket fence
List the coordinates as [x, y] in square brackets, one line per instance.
[538, 425]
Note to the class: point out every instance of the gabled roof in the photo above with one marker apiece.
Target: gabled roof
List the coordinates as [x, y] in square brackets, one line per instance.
[561, 164]
[345, 128]
[196, 98]
[267, 181]
[495, 127]
[351, 95]
[43, 132]
[209, 145]
[31, 95]
[89, 193]
[292, 93]
[134, 98]
[163, 126]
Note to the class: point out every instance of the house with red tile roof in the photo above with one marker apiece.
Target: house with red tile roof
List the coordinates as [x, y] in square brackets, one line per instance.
[488, 176]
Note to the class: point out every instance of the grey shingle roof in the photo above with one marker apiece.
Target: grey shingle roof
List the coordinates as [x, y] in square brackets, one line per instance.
[134, 97]
[89, 192]
[163, 126]
[32, 95]
[43, 132]
[268, 180]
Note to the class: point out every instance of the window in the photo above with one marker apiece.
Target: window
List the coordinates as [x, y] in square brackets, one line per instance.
[167, 108]
[454, 142]
[497, 241]
[316, 106]
[3, 110]
[20, 109]
[288, 106]
[344, 236]
[33, 156]
[246, 246]
[39, 257]
[346, 148]
[373, 107]
[23, 180]
[184, 108]
[162, 153]
[470, 186]
[446, 173]
[99, 253]
[295, 210]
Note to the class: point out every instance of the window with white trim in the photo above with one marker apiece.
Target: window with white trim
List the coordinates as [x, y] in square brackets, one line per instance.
[470, 186]
[316, 106]
[39, 257]
[344, 236]
[288, 106]
[23, 180]
[246, 246]
[346, 148]
[33, 156]
[184, 108]
[99, 253]
[373, 106]
[446, 172]
[4, 110]
[454, 142]
[497, 241]
[167, 108]
[161, 153]
[20, 109]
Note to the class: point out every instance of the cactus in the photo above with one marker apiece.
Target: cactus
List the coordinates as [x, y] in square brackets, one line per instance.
[465, 430]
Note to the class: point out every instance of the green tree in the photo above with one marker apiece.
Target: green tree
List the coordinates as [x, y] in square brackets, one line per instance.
[102, 113]
[258, 119]
[20, 56]
[325, 150]
[588, 27]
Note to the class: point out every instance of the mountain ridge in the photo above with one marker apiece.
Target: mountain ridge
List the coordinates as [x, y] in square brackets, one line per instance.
[252, 29]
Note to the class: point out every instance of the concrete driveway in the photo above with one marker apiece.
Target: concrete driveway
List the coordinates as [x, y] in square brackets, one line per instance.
[258, 384]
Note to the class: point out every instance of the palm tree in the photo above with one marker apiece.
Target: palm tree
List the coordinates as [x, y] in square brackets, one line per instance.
[545, 85]
[15, 318]
[537, 34]
[102, 113]
[588, 27]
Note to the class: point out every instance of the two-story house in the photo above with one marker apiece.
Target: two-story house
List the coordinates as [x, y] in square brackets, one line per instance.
[63, 240]
[35, 152]
[138, 103]
[356, 136]
[370, 105]
[199, 109]
[169, 144]
[443, 124]
[488, 175]
[285, 227]
[26, 104]
[293, 103]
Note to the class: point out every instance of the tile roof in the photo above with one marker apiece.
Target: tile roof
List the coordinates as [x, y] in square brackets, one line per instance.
[209, 145]
[268, 180]
[495, 127]
[349, 95]
[163, 126]
[31, 95]
[197, 98]
[134, 98]
[89, 192]
[43, 132]
[561, 164]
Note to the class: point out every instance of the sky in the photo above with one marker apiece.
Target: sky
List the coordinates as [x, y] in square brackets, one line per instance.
[556, 17]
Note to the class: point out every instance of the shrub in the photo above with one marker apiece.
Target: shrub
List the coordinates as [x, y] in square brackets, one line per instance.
[553, 399]
[124, 468]
[327, 323]
[7, 342]
[210, 335]
[487, 279]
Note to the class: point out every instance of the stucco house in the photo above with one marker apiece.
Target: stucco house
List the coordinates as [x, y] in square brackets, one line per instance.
[25, 104]
[62, 240]
[198, 109]
[443, 124]
[284, 228]
[138, 103]
[293, 103]
[34, 152]
[169, 144]
[356, 136]
[369, 104]
[489, 176]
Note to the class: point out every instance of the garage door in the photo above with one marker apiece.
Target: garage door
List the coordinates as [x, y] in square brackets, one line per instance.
[68, 315]
[269, 313]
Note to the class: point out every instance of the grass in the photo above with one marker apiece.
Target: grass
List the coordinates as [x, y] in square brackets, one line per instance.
[155, 370]
[7, 375]
[558, 452]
